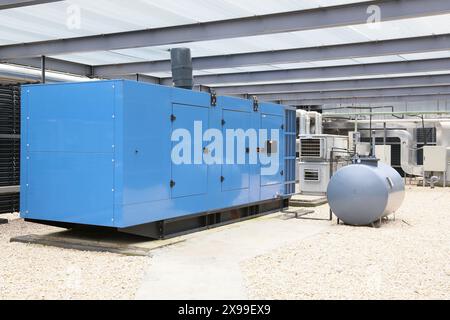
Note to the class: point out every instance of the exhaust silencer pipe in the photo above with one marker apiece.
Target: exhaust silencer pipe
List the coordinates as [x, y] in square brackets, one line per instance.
[182, 71]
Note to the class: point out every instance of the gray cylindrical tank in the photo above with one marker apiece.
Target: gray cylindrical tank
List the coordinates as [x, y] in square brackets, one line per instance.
[361, 194]
[182, 71]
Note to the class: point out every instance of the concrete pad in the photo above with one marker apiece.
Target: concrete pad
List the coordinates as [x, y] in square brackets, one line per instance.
[98, 240]
[9, 217]
[309, 201]
[207, 264]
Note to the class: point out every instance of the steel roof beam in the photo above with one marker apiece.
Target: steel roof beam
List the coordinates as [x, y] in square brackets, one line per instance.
[416, 81]
[335, 52]
[55, 65]
[395, 92]
[349, 14]
[368, 100]
[10, 4]
[417, 66]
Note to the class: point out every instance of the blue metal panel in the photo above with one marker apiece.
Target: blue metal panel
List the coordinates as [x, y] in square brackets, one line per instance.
[146, 173]
[58, 122]
[191, 178]
[272, 122]
[236, 176]
[70, 187]
[68, 157]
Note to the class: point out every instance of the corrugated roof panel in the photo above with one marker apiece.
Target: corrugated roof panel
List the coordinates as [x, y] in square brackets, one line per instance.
[258, 68]
[379, 59]
[99, 58]
[299, 65]
[333, 63]
[380, 76]
[414, 27]
[311, 38]
[147, 54]
[426, 55]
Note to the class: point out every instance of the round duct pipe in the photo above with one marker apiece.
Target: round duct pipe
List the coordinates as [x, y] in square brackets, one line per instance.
[302, 115]
[182, 71]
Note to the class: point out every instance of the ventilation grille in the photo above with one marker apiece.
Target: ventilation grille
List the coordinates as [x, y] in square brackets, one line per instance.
[427, 134]
[311, 148]
[290, 149]
[312, 175]
[9, 146]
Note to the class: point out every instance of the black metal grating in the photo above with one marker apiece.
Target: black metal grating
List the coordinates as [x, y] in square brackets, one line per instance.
[290, 149]
[311, 175]
[428, 134]
[310, 148]
[9, 146]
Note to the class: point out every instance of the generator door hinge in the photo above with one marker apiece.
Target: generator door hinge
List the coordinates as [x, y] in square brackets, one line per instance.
[222, 179]
[255, 103]
[173, 118]
[213, 99]
[223, 122]
[172, 184]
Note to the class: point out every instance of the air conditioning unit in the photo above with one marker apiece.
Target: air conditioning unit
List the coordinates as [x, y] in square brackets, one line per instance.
[319, 157]
[319, 148]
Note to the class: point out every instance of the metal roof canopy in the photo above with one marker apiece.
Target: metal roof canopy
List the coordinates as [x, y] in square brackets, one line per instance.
[326, 72]
[309, 19]
[369, 49]
[392, 82]
[377, 48]
[350, 14]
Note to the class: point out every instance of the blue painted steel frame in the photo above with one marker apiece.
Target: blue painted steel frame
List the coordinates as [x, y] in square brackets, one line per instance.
[99, 153]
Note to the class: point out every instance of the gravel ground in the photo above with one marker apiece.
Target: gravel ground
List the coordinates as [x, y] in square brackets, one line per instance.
[405, 259]
[37, 272]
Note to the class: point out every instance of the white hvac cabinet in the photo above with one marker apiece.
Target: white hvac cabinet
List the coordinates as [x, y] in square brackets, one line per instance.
[435, 159]
[314, 177]
[317, 154]
[384, 153]
[320, 147]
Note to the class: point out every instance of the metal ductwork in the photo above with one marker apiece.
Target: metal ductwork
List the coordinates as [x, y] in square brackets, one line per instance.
[182, 71]
[408, 151]
[318, 122]
[302, 115]
[305, 119]
[443, 139]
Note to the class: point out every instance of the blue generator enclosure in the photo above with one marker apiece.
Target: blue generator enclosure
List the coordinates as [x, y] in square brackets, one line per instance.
[133, 156]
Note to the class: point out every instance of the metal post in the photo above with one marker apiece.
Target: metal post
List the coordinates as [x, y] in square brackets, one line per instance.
[374, 143]
[424, 179]
[445, 179]
[43, 79]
